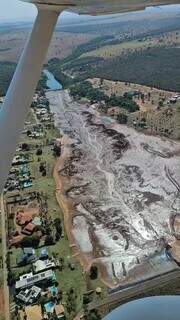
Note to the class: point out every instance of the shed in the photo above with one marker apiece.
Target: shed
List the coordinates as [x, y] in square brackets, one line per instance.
[59, 310]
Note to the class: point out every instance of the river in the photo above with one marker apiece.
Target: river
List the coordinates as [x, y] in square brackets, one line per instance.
[52, 83]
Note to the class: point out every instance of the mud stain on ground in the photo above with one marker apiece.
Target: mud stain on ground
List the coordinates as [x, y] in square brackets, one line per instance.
[118, 189]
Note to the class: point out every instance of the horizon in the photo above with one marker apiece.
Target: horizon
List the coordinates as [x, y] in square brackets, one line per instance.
[26, 12]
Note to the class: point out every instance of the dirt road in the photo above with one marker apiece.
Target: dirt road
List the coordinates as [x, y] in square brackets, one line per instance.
[4, 253]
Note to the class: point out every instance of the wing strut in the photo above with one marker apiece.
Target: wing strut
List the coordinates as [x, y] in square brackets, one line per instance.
[22, 88]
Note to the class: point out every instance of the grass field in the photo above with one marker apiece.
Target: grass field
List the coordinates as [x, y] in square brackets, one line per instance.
[167, 39]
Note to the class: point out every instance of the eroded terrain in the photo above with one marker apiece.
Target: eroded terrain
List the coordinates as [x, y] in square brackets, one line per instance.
[120, 190]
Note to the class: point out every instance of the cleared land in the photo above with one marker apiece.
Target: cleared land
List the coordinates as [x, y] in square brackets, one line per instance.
[62, 44]
[156, 114]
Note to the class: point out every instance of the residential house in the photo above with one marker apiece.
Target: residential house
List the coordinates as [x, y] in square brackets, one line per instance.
[29, 296]
[43, 279]
[41, 265]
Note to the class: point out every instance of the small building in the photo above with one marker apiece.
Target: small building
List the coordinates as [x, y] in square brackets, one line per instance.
[59, 311]
[29, 296]
[43, 279]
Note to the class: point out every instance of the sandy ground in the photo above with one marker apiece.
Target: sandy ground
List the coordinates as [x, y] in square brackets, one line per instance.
[119, 190]
[32, 313]
[119, 88]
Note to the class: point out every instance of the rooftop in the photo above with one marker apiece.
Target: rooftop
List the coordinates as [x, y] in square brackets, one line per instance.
[41, 265]
[29, 279]
[28, 229]
[29, 295]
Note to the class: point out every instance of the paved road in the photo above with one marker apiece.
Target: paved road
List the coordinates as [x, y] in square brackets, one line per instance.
[137, 289]
[4, 252]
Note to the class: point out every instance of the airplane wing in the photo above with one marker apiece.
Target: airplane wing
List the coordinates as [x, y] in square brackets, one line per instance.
[98, 7]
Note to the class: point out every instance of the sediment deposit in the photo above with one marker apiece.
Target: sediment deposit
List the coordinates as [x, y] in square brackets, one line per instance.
[120, 190]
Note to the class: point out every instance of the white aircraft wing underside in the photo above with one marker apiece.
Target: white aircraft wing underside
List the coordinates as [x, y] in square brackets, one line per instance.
[96, 7]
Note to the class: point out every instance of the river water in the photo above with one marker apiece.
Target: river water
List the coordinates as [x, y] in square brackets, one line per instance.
[52, 83]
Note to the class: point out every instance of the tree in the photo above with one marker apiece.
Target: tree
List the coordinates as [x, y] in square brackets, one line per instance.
[25, 147]
[93, 272]
[101, 82]
[44, 172]
[142, 97]
[58, 226]
[49, 240]
[122, 118]
[160, 103]
[41, 167]
[11, 278]
[39, 152]
[92, 315]
[57, 150]
[31, 241]
[29, 133]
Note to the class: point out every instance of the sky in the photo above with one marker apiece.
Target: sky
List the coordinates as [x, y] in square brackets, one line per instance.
[15, 10]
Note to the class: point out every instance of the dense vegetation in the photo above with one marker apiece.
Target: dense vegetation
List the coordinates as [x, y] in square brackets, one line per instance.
[85, 89]
[124, 102]
[157, 67]
[6, 73]
[93, 44]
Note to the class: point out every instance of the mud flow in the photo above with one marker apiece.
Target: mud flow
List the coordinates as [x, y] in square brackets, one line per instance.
[121, 193]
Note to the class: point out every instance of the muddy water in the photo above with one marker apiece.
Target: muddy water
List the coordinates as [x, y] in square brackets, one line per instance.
[121, 188]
